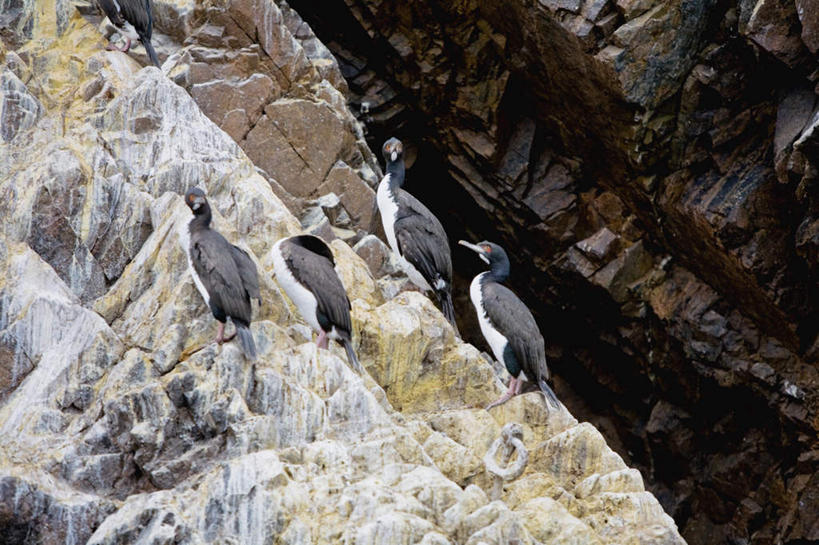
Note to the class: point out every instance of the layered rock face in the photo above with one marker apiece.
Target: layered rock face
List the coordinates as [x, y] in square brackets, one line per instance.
[652, 165]
[122, 423]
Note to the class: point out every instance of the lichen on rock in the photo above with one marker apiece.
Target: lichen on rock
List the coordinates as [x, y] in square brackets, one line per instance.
[122, 423]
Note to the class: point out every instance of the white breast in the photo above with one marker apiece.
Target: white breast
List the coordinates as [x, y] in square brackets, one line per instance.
[185, 240]
[388, 207]
[497, 342]
[301, 296]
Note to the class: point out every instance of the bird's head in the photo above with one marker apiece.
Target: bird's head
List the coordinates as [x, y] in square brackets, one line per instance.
[392, 150]
[488, 251]
[196, 200]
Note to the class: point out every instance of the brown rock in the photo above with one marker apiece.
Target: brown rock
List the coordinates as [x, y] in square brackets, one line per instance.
[297, 142]
[235, 105]
[600, 245]
[358, 198]
[808, 12]
[772, 25]
[793, 113]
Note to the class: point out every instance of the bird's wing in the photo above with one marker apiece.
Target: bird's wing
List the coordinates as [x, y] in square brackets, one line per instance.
[316, 273]
[112, 12]
[212, 258]
[247, 272]
[138, 13]
[513, 319]
[422, 240]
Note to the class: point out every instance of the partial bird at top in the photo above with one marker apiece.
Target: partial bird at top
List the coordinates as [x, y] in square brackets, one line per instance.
[135, 21]
[414, 233]
[224, 274]
[508, 326]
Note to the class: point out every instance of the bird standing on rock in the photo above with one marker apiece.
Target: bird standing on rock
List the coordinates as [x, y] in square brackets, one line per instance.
[305, 269]
[223, 273]
[507, 325]
[134, 19]
[414, 233]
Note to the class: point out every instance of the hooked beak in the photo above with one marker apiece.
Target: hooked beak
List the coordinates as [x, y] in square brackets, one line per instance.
[475, 248]
[393, 155]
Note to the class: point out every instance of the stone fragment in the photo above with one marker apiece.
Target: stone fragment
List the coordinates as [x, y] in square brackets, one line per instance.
[808, 12]
[772, 25]
[19, 109]
[600, 245]
[356, 196]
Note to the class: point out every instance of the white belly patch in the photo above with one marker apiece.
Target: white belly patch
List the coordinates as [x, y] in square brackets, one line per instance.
[389, 210]
[496, 341]
[185, 241]
[301, 296]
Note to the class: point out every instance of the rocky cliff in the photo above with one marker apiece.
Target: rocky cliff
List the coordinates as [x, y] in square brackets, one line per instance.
[653, 165]
[121, 423]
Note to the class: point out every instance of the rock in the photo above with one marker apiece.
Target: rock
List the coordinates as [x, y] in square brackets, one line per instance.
[378, 257]
[771, 25]
[600, 245]
[355, 194]
[650, 71]
[124, 422]
[809, 18]
[280, 141]
[19, 110]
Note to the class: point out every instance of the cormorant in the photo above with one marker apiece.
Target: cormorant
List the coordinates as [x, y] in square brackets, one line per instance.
[223, 273]
[507, 325]
[135, 21]
[414, 233]
[305, 268]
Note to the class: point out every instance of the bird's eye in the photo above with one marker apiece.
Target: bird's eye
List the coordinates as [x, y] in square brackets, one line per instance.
[487, 249]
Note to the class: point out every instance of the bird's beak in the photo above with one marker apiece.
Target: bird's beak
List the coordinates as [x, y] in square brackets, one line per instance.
[393, 155]
[475, 248]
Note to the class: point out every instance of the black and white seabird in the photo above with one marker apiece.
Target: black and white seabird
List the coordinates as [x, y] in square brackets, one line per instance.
[223, 273]
[305, 269]
[414, 233]
[135, 21]
[507, 325]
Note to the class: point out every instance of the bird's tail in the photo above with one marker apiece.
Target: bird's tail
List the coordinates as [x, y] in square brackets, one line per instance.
[548, 393]
[351, 357]
[150, 49]
[445, 298]
[246, 341]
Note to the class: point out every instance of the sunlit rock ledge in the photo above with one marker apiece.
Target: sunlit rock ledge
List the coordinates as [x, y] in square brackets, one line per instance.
[120, 423]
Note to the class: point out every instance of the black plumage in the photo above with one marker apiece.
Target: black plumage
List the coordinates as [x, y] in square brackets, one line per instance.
[508, 325]
[305, 268]
[414, 232]
[224, 274]
[136, 13]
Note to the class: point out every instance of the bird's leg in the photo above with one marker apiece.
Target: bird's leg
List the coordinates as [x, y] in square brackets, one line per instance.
[229, 337]
[322, 341]
[220, 335]
[510, 392]
[112, 47]
[518, 385]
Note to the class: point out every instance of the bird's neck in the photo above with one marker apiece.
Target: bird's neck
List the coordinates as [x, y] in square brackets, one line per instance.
[498, 272]
[396, 171]
[200, 222]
